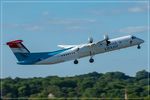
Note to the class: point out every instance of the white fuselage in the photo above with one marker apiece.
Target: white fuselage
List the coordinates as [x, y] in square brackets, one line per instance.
[91, 49]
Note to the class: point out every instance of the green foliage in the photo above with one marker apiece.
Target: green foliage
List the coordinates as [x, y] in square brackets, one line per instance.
[142, 74]
[92, 85]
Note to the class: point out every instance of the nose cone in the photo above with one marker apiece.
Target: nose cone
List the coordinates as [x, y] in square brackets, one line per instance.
[141, 41]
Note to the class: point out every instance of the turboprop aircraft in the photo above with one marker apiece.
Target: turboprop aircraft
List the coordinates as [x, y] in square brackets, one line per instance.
[72, 52]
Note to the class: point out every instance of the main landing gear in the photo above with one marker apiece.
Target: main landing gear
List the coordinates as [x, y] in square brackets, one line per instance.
[91, 60]
[75, 61]
[138, 47]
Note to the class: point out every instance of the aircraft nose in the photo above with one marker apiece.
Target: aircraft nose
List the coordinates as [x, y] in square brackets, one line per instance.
[141, 41]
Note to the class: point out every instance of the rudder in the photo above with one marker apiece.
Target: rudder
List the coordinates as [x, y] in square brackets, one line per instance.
[19, 50]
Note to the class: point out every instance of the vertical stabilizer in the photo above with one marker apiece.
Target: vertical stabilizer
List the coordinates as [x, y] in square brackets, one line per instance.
[19, 50]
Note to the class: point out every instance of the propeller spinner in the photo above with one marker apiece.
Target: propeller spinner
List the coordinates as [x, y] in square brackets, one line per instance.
[90, 40]
[106, 37]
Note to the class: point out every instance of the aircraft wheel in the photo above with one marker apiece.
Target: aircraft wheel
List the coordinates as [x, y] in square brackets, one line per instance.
[138, 47]
[91, 60]
[76, 61]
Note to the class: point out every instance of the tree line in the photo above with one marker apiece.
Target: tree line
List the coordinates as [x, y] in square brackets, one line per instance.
[91, 85]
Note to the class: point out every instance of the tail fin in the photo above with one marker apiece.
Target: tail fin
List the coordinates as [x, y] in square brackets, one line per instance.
[19, 50]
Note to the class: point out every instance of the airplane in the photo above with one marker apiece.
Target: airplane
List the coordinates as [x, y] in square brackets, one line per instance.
[72, 52]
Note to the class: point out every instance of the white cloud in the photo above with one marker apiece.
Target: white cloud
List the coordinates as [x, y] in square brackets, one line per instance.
[71, 21]
[137, 9]
[115, 11]
[102, 12]
[26, 27]
[45, 13]
[34, 28]
[68, 24]
[134, 29]
[96, 12]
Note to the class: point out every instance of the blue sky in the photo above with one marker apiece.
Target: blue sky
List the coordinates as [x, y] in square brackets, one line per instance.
[44, 25]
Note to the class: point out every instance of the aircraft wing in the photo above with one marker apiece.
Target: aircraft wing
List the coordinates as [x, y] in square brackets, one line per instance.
[92, 44]
[101, 42]
[66, 46]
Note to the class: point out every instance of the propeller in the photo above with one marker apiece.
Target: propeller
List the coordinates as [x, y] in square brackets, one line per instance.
[106, 37]
[90, 40]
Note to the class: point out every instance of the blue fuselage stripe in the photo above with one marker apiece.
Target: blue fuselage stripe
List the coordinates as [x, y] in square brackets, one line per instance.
[36, 57]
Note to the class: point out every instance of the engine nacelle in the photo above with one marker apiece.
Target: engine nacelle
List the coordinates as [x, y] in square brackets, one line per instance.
[106, 37]
[90, 40]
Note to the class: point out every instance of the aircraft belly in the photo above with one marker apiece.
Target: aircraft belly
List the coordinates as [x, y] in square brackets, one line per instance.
[51, 60]
[90, 51]
[84, 54]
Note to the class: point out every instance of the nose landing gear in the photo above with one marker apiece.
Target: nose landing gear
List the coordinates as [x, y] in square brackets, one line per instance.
[138, 47]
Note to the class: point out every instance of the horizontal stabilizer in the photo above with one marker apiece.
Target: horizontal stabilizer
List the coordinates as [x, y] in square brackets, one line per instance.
[66, 46]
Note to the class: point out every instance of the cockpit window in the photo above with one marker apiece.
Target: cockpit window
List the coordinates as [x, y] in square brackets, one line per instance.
[133, 37]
